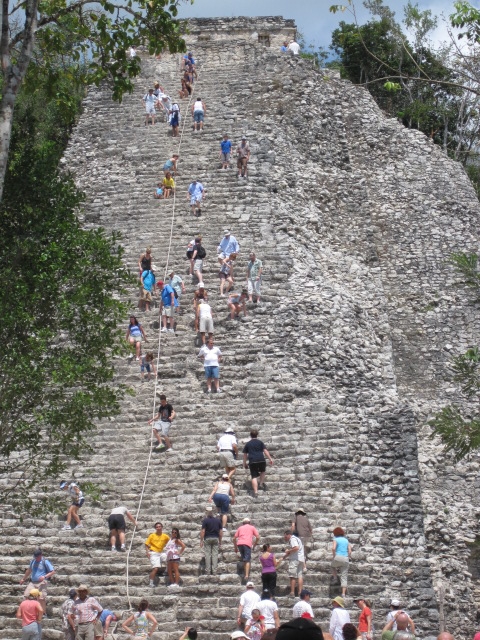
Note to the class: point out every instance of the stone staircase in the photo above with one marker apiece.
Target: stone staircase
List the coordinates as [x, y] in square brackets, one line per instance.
[312, 367]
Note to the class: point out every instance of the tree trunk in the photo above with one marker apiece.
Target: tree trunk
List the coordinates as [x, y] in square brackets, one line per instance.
[6, 119]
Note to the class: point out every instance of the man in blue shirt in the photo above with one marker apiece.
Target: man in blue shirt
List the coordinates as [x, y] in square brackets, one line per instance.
[106, 618]
[195, 195]
[148, 283]
[39, 572]
[168, 302]
[225, 151]
[228, 245]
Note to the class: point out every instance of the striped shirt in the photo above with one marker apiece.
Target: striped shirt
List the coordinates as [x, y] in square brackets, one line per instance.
[86, 610]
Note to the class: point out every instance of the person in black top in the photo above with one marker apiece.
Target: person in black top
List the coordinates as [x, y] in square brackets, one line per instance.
[162, 423]
[255, 452]
[210, 540]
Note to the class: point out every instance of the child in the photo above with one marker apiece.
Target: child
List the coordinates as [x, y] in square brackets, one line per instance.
[147, 365]
[158, 191]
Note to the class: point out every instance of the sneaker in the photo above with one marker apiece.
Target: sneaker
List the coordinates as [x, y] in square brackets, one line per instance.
[162, 330]
[224, 529]
[79, 526]
[219, 390]
[171, 330]
[122, 549]
[209, 391]
[170, 450]
[66, 527]
[159, 447]
[152, 584]
[114, 549]
[137, 359]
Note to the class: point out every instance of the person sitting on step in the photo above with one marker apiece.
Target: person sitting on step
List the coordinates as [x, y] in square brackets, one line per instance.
[162, 423]
[236, 303]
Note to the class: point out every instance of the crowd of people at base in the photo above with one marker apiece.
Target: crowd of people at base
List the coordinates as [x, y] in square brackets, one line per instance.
[83, 617]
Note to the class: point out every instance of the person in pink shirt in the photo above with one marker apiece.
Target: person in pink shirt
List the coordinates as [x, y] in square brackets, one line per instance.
[30, 612]
[246, 537]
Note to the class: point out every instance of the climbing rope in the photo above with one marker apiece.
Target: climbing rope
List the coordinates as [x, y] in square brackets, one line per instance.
[147, 469]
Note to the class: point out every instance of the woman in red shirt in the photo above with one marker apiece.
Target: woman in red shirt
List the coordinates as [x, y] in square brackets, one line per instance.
[365, 619]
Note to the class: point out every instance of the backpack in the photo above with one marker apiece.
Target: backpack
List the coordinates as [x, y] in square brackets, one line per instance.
[201, 253]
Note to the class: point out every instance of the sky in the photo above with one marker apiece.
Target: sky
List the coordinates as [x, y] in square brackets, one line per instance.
[312, 17]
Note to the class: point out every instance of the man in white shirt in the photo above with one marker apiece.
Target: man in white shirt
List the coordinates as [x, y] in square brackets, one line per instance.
[294, 48]
[338, 618]
[269, 610]
[248, 601]
[204, 319]
[150, 101]
[227, 449]
[211, 357]
[303, 606]
[295, 555]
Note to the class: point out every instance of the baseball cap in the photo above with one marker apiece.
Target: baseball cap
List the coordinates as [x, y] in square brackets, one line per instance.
[38, 552]
[63, 485]
[200, 285]
[395, 602]
[225, 476]
[245, 520]
[226, 232]
[209, 509]
[299, 629]
[229, 430]
[250, 585]
[72, 593]
[238, 634]
[244, 137]
[305, 592]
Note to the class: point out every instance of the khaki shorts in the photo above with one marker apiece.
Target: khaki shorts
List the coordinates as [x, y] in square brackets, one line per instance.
[168, 311]
[206, 325]
[227, 459]
[98, 628]
[295, 569]
[41, 586]
[147, 295]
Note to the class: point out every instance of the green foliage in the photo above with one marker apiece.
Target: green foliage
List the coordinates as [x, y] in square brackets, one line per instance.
[60, 289]
[458, 430]
[407, 78]
[473, 171]
[466, 265]
[459, 435]
[467, 17]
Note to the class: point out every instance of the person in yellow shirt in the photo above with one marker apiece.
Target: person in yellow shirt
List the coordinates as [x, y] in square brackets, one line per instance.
[154, 545]
[168, 185]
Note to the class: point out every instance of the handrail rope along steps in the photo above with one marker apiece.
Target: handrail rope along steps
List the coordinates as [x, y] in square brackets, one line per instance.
[147, 470]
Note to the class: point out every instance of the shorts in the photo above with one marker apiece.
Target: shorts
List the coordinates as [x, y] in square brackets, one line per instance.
[174, 120]
[145, 367]
[225, 157]
[295, 569]
[41, 586]
[241, 162]
[223, 276]
[159, 192]
[221, 256]
[78, 503]
[116, 521]
[227, 459]
[196, 199]
[198, 116]
[245, 552]
[157, 559]
[212, 372]
[162, 427]
[98, 628]
[147, 295]
[136, 338]
[256, 468]
[168, 311]
[206, 325]
[222, 502]
[150, 111]
[198, 265]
